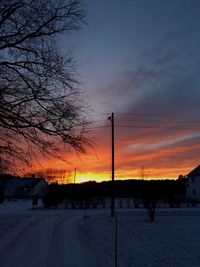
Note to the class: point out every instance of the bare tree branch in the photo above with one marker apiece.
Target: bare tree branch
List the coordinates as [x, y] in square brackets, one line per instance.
[40, 103]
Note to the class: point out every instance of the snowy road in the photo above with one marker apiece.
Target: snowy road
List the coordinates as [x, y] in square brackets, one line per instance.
[49, 240]
[65, 238]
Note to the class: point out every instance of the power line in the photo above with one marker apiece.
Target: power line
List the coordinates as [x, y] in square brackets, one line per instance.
[157, 126]
[100, 124]
[159, 115]
[144, 126]
[143, 120]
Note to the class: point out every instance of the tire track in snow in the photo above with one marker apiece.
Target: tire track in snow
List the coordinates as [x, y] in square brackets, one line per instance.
[65, 248]
[29, 247]
[20, 232]
[53, 255]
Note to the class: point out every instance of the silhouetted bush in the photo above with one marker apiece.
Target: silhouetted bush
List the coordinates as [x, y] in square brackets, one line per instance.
[91, 194]
[53, 196]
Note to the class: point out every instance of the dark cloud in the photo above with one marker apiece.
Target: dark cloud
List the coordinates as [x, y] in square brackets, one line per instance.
[160, 101]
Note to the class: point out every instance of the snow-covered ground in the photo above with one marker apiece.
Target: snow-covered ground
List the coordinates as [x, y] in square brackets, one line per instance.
[172, 240]
[73, 238]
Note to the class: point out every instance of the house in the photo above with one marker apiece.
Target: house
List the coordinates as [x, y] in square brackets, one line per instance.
[5, 177]
[17, 187]
[193, 187]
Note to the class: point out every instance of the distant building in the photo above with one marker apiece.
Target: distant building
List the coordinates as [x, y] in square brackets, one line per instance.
[16, 187]
[193, 188]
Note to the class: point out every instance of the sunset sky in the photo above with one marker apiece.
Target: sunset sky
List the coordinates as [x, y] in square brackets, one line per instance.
[141, 60]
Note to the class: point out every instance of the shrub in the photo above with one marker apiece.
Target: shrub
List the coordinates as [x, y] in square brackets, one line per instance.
[53, 196]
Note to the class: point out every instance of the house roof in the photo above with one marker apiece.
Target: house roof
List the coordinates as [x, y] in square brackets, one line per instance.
[23, 182]
[195, 172]
[29, 182]
[6, 178]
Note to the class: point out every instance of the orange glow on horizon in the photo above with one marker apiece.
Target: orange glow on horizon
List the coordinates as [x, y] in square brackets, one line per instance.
[91, 168]
[136, 157]
[119, 175]
[89, 176]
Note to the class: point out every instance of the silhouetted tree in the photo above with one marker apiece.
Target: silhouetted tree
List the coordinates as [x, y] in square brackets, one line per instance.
[53, 196]
[40, 105]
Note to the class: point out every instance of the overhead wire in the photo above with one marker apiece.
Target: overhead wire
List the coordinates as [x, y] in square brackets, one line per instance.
[160, 114]
[122, 123]
[157, 126]
[143, 120]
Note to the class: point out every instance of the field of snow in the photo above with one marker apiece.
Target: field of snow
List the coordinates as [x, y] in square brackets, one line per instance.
[172, 240]
[73, 238]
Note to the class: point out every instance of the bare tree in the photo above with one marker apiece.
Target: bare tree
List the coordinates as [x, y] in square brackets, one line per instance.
[59, 175]
[40, 107]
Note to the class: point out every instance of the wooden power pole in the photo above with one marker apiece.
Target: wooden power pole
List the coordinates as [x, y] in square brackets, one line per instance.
[113, 168]
[74, 175]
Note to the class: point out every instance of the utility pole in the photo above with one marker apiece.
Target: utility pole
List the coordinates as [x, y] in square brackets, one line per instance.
[116, 239]
[113, 167]
[74, 175]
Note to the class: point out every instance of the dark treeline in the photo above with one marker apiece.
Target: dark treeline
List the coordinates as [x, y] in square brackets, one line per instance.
[166, 190]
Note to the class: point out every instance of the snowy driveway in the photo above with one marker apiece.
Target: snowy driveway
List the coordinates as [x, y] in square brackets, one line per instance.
[44, 239]
[64, 238]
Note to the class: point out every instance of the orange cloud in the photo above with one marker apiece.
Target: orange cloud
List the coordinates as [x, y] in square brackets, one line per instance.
[161, 156]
